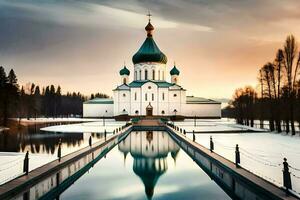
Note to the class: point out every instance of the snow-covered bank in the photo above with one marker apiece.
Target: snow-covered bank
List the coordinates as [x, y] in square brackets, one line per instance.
[89, 127]
[261, 153]
[47, 120]
[11, 164]
[3, 128]
[214, 125]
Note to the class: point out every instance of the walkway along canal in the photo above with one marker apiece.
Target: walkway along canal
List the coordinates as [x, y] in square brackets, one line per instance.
[53, 178]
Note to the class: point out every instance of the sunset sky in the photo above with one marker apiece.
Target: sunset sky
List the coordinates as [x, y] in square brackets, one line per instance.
[81, 45]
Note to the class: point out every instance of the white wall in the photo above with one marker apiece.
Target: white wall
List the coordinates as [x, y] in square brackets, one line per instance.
[202, 110]
[98, 110]
[159, 68]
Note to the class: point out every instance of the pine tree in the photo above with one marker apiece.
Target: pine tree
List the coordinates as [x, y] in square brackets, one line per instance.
[12, 78]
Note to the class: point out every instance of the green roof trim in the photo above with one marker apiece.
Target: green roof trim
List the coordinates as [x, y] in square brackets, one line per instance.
[174, 71]
[162, 84]
[124, 71]
[99, 101]
[149, 52]
[200, 100]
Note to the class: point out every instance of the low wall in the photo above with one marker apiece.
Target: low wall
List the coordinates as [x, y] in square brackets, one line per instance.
[202, 110]
[98, 110]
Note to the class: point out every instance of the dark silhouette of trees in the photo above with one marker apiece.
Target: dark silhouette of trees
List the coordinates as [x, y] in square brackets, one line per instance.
[30, 102]
[279, 89]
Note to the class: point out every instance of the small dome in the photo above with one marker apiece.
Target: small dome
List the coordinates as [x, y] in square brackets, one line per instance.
[124, 71]
[149, 29]
[174, 71]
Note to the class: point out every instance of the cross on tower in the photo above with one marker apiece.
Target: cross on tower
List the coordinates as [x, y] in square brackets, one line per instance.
[149, 16]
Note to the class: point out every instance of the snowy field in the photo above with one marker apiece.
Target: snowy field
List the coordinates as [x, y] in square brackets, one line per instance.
[261, 153]
[213, 125]
[58, 119]
[89, 127]
[11, 164]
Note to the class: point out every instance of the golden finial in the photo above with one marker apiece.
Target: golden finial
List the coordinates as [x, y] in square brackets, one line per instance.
[149, 28]
[149, 15]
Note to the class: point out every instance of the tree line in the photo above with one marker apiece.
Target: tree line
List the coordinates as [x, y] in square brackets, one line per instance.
[31, 101]
[277, 96]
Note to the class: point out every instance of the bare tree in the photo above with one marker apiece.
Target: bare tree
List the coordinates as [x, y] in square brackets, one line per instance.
[291, 72]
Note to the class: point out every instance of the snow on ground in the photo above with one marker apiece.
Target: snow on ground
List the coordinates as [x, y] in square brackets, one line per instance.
[89, 127]
[3, 128]
[11, 164]
[46, 120]
[211, 125]
[261, 153]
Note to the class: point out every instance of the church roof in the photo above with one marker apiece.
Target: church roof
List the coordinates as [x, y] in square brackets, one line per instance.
[124, 71]
[200, 100]
[149, 51]
[99, 101]
[162, 84]
[174, 71]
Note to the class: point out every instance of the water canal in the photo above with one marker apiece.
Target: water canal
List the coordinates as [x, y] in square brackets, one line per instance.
[144, 165]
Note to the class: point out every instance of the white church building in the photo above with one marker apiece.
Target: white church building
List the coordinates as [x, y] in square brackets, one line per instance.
[150, 93]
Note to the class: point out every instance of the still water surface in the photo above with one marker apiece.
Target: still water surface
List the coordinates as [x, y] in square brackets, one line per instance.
[145, 165]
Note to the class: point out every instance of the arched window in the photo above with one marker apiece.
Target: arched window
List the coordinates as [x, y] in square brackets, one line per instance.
[135, 96]
[162, 112]
[140, 75]
[124, 80]
[146, 97]
[146, 74]
[163, 96]
[153, 74]
[175, 80]
[135, 75]
[152, 97]
[158, 75]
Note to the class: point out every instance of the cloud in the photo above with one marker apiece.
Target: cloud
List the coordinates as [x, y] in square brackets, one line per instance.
[59, 41]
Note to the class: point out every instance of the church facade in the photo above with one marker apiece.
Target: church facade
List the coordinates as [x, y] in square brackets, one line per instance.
[150, 93]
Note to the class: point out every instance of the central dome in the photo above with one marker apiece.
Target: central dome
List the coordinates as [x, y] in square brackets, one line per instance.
[149, 51]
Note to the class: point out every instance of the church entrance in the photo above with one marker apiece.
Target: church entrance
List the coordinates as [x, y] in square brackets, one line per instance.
[149, 110]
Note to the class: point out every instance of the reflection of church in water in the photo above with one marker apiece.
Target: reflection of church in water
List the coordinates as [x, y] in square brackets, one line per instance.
[149, 152]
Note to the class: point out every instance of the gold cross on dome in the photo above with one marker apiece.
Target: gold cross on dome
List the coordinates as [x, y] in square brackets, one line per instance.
[149, 16]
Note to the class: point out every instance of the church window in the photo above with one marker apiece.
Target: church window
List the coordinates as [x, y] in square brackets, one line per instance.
[135, 75]
[175, 95]
[163, 112]
[124, 95]
[163, 96]
[158, 75]
[152, 97]
[153, 74]
[146, 74]
[124, 80]
[136, 112]
[149, 87]
[146, 97]
[140, 75]
[135, 96]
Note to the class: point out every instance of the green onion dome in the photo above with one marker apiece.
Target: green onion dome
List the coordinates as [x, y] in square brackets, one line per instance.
[149, 51]
[174, 71]
[124, 71]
